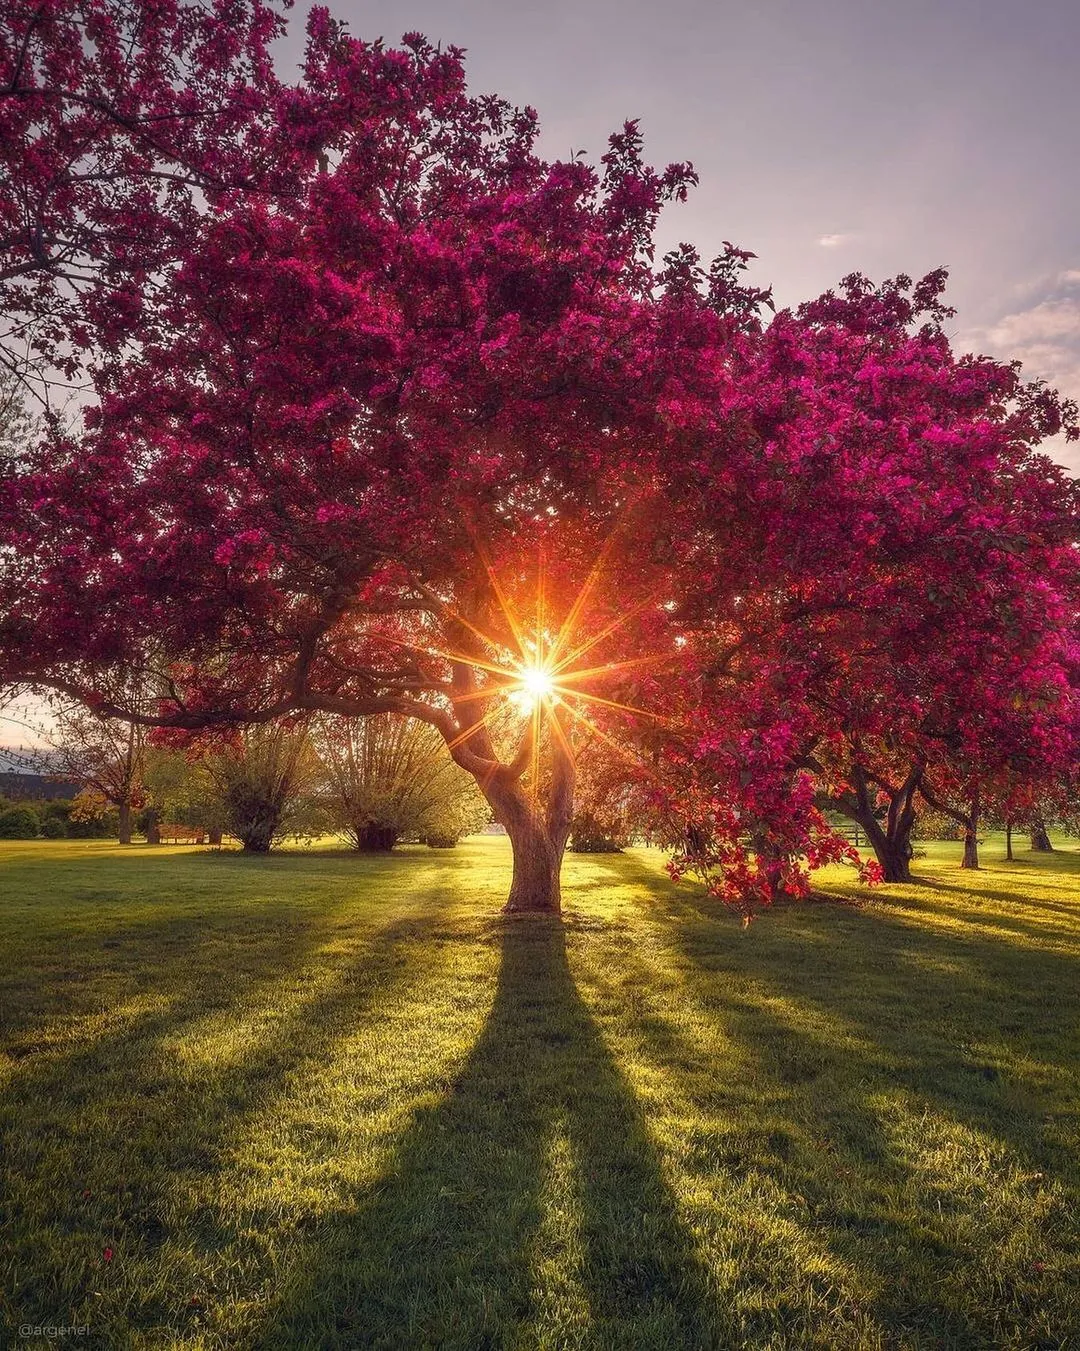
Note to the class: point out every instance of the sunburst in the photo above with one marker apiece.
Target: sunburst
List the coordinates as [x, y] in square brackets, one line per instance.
[536, 685]
[542, 673]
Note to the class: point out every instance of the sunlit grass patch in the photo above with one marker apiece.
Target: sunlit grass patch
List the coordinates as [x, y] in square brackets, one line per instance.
[316, 1100]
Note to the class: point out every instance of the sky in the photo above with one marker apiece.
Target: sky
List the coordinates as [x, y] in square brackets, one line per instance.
[830, 136]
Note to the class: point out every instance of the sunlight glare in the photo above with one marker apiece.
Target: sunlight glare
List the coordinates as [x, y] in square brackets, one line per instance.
[536, 682]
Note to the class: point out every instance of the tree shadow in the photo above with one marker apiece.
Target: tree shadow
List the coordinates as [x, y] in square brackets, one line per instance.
[132, 1127]
[968, 905]
[871, 976]
[531, 1189]
[886, 1025]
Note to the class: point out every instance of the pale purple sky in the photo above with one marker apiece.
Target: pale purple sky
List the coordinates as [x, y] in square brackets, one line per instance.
[830, 135]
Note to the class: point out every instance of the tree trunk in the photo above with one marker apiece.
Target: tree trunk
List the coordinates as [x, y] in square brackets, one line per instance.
[537, 865]
[894, 855]
[258, 835]
[538, 834]
[890, 839]
[373, 839]
[971, 835]
[1040, 841]
[214, 835]
[538, 819]
[1008, 841]
[125, 822]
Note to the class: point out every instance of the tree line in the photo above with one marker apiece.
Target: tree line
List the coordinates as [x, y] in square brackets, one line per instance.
[373, 785]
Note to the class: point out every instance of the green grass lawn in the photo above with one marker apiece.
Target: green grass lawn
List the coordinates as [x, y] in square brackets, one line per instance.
[315, 1100]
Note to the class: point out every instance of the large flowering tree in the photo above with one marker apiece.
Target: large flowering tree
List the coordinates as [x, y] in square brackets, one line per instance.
[393, 416]
[358, 415]
[897, 619]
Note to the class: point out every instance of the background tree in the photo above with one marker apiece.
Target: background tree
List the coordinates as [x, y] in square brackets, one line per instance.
[265, 776]
[903, 601]
[614, 803]
[107, 756]
[181, 791]
[387, 777]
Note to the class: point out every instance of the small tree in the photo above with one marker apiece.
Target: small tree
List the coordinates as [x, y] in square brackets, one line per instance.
[181, 790]
[91, 816]
[106, 756]
[264, 775]
[388, 777]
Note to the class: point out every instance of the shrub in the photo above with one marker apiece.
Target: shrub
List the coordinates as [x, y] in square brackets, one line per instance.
[389, 778]
[263, 775]
[19, 823]
[54, 828]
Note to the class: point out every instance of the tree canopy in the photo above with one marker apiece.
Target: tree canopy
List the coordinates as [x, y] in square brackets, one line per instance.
[392, 416]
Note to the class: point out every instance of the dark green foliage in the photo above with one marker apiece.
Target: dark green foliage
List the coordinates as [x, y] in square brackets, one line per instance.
[19, 823]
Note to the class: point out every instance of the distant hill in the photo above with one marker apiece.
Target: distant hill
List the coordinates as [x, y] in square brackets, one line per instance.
[27, 772]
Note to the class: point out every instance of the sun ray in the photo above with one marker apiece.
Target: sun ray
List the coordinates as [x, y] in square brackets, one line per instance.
[465, 658]
[557, 728]
[466, 623]
[541, 617]
[582, 598]
[459, 618]
[612, 667]
[537, 727]
[473, 729]
[501, 597]
[620, 750]
[622, 708]
[544, 676]
[606, 632]
[585, 593]
[486, 692]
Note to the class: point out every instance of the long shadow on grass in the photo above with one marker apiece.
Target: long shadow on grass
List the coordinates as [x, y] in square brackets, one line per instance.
[120, 1129]
[478, 1229]
[885, 1006]
[929, 1003]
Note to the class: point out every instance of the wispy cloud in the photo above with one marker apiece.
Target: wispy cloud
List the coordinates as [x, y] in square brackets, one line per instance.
[834, 241]
[1045, 337]
[1050, 324]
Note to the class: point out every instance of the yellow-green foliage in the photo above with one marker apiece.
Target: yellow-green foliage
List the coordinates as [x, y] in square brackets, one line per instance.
[314, 1100]
[386, 777]
[264, 779]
